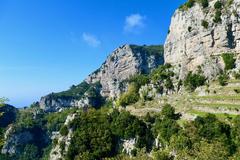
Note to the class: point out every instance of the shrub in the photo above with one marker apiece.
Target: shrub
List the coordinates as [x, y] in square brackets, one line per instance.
[218, 5]
[162, 73]
[204, 3]
[130, 97]
[192, 81]
[229, 3]
[189, 29]
[229, 60]
[64, 130]
[237, 91]
[190, 3]
[205, 24]
[236, 75]
[222, 79]
[169, 84]
[92, 137]
[139, 80]
[169, 112]
[217, 17]
[187, 5]
[166, 124]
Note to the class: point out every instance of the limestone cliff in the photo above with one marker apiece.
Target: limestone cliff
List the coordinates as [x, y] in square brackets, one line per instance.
[105, 82]
[198, 35]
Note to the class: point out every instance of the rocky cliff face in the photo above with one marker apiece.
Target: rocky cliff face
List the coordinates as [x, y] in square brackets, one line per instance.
[198, 35]
[123, 63]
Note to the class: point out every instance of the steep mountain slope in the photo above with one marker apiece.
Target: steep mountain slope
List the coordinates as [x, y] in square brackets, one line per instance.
[199, 34]
[106, 81]
[126, 108]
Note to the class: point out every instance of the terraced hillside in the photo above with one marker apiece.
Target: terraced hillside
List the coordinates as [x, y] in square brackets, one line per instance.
[223, 101]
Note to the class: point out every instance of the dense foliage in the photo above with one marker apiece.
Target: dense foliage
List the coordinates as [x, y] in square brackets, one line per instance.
[156, 50]
[229, 60]
[194, 80]
[217, 17]
[205, 24]
[204, 3]
[222, 79]
[75, 91]
[96, 134]
[218, 5]
[161, 76]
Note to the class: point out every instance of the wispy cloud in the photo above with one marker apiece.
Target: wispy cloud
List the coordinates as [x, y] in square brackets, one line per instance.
[134, 22]
[91, 40]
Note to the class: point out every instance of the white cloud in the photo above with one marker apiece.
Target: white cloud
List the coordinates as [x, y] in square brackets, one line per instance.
[134, 22]
[91, 40]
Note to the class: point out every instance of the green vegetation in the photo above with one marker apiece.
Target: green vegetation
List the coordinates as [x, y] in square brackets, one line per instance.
[189, 29]
[222, 79]
[229, 60]
[79, 91]
[218, 5]
[64, 131]
[187, 5]
[205, 24]
[74, 92]
[97, 133]
[236, 74]
[194, 80]
[55, 121]
[217, 17]
[204, 3]
[190, 3]
[156, 50]
[8, 116]
[132, 95]
[162, 73]
[205, 137]
[229, 3]
[129, 97]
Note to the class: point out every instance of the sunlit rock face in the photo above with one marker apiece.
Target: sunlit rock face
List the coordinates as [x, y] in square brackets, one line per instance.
[191, 43]
[124, 62]
[120, 65]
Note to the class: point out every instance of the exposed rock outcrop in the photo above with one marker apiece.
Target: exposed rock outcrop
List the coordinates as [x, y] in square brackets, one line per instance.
[58, 151]
[194, 38]
[123, 63]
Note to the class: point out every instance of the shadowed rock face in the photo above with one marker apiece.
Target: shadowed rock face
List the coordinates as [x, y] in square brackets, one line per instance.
[190, 44]
[8, 115]
[123, 63]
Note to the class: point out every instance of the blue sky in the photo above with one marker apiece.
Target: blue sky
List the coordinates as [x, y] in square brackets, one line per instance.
[48, 45]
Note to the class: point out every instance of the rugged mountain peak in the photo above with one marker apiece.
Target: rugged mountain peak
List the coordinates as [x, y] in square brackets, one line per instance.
[124, 62]
[121, 64]
[199, 34]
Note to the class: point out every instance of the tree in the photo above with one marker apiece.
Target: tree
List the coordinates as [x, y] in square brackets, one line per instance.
[130, 97]
[204, 3]
[30, 152]
[211, 151]
[194, 80]
[222, 79]
[169, 112]
[218, 5]
[92, 136]
[236, 130]
[229, 60]
[166, 124]
[3, 101]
